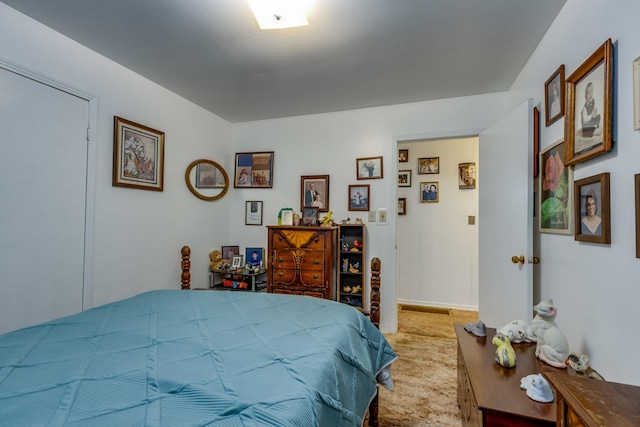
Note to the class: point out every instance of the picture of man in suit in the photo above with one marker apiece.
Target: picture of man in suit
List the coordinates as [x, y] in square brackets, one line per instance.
[310, 195]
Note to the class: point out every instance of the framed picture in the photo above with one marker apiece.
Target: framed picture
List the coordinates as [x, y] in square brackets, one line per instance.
[536, 141]
[254, 256]
[592, 212]
[314, 192]
[359, 197]
[429, 192]
[236, 261]
[254, 170]
[138, 156]
[369, 168]
[556, 191]
[636, 94]
[403, 155]
[285, 217]
[402, 206]
[554, 96]
[637, 189]
[427, 165]
[587, 131]
[404, 178]
[253, 213]
[466, 176]
[209, 176]
[309, 215]
[228, 252]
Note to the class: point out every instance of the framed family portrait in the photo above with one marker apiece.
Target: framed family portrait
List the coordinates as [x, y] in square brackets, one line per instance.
[314, 192]
[209, 176]
[403, 155]
[254, 170]
[592, 209]
[554, 96]
[429, 192]
[369, 168]
[556, 191]
[138, 156]
[467, 176]
[228, 252]
[427, 165]
[309, 216]
[636, 94]
[253, 212]
[589, 96]
[359, 197]
[404, 178]
[402, 206]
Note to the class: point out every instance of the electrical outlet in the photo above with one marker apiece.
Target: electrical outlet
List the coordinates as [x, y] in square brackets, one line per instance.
[372, 216]
[382, 216]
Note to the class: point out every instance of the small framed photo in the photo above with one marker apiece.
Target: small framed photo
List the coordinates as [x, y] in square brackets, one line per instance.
[138, 156]
[404, 178]
[254, 170]
[359, 197]
[556, 191]
[254, 257]
[402, 206]
[236, 261]
[429, 192]
[554, 96]
[637, 189]
[587, 131]
[636, 94]
[466, 176]
[314, 192]
[309, 216]
[253, 212]
[228, 252]
[369, 168]
[285, 217]
[592, 207]
[403, 155]
[427, 165]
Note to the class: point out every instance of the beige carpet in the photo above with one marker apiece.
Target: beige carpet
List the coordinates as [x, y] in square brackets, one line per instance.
[425, 374]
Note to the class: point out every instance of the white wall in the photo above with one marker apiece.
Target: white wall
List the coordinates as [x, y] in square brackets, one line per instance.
[595, 287]
[437, 248]
[137, 235]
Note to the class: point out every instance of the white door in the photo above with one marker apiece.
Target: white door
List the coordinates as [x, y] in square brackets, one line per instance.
[43, 181]
[505, 218]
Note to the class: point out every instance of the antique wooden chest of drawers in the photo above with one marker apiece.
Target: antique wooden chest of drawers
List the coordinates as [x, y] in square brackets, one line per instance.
[301, 261]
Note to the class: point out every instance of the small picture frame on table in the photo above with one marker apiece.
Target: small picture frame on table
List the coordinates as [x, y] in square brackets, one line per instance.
[404, 178]
[369, 168]
[359, 199]
[228, 252]
[429, 192]
[592, 209]
[254, 257]
[236, 261]
[554, 96]
[253, 212]
[402, 206]
[309, 216]
[428, 165]
[403, 155]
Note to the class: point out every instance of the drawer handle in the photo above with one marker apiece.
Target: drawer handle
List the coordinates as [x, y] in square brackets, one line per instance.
[316, 277]
[280, 274]
[316, 262]
[280, 259]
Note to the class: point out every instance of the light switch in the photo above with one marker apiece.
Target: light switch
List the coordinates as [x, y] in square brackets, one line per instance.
[372, 216]
[382, 216]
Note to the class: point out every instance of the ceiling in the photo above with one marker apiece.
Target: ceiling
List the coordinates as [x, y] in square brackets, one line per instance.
[354, 53]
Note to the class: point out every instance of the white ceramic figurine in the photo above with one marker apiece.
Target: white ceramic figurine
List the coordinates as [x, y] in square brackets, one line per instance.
[552, 346]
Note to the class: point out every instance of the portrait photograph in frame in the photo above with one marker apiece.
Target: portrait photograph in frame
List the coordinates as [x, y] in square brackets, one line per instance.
[592, 209]
[314, 192]
[556, 191]
[403, 155]
[637, 190]
[138, 156]
[636, 94]
[404, 178]
[209, 176]
[228, 252]
[253, 170]
[369, 168]
[588, 113]
[359, 199]
[253, 212]
[467, 176]
[254, 257]
[427, 165]
[554, 96]
[402, 206]
[309, 216]
[429, 192]
[236, 261]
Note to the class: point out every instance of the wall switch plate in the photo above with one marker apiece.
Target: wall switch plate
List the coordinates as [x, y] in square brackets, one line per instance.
[382, 216]
[372, 216]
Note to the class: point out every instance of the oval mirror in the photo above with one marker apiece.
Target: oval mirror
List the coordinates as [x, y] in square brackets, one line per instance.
[206, 179]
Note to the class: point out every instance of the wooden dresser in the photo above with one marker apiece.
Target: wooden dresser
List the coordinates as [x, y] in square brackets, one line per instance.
[301, 261]
[586, 402]
[490, 395]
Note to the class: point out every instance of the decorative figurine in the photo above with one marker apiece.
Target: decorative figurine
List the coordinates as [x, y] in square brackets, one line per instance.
[478, 329]
[537, 387]
[581, 366]
[359, 221]
[505, 355]
[517, 331]
[552, 346]
[345, 265]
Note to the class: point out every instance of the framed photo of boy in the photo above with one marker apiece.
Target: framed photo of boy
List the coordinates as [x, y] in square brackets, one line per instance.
[592, 209]
[254, 256]
[314, 192]
[556, 191]
[254, 170]
[403, 155]
[554, 96]
[404, 178]
[359, 197]
[402, 206]
[369, 168]
[429, 192]
[587, 131]
[427, 165]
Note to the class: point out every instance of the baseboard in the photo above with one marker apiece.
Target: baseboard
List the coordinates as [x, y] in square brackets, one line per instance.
[436, 305]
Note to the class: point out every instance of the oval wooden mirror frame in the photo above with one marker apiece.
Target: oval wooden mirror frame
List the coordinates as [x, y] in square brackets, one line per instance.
[209, 194]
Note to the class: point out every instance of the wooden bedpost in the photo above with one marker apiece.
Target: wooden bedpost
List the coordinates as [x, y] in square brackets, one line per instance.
[185, 277]
[374, 316]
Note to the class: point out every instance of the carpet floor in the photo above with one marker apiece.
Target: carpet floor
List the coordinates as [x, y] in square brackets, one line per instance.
[425, 374]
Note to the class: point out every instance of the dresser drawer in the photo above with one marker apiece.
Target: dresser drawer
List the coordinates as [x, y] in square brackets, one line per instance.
[313, 260]
[283, 258]
[312, 278]
[286, 276]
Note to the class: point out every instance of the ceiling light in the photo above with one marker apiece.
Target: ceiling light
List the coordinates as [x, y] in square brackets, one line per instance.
[274, 14]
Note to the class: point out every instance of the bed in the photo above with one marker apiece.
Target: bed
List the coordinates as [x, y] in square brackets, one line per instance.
[194, 358]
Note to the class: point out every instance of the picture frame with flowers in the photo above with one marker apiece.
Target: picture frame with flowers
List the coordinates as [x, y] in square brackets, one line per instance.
[556, 191]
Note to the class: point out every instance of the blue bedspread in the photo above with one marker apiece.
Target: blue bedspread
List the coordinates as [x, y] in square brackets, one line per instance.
[193, 358]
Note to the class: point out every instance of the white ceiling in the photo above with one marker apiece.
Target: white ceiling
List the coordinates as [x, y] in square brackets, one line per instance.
[354, 53]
